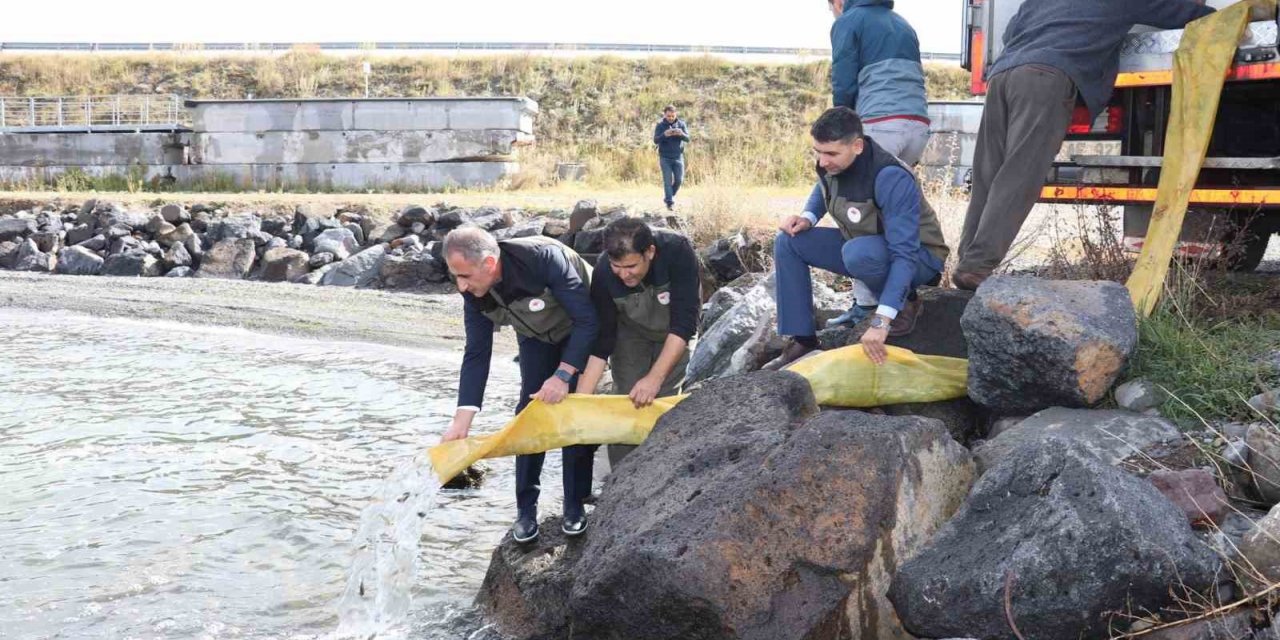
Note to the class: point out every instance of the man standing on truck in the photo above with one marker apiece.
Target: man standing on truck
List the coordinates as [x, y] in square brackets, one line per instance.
[876, 71]
[1056, 52]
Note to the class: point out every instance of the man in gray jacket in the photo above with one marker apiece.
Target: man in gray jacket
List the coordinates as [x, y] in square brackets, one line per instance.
[876, 71]
[1056, 52]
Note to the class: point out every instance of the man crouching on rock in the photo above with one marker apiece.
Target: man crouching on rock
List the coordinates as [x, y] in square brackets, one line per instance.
[645, 291]
[540, 288]
[886, 236]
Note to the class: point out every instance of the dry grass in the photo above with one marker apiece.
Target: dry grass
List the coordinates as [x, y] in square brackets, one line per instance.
[1088, 245]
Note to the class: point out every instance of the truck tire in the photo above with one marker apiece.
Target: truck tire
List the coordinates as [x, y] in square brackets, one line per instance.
[1246, 247]
[1245, 243]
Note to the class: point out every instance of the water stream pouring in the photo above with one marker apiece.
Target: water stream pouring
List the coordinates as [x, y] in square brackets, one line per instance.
[379, 586]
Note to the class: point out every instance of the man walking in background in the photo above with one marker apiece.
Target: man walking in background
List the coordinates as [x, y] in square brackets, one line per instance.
[1055, 53]
[876, 71]
[670, 136]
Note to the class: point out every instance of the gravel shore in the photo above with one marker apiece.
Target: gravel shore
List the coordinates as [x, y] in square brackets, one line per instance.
[430, 321]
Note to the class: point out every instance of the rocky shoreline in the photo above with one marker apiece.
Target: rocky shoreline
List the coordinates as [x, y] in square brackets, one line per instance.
[350, 248]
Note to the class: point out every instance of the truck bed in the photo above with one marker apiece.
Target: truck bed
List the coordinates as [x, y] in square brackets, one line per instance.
[1153, 50]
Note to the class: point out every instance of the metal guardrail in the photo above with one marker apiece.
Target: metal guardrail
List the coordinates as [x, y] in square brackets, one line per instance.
[104, 113]
[271, 47]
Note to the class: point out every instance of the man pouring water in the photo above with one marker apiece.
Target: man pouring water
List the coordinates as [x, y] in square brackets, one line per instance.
[540, 288]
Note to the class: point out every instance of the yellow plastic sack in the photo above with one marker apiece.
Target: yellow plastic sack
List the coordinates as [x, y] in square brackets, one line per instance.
[1200, 67]
[845, 377]
[840, 378]
[578, 419]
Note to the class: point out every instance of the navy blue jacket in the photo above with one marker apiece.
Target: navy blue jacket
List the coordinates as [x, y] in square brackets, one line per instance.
[670, 146]
[526, 271]
[1083, 38]
[875, 62]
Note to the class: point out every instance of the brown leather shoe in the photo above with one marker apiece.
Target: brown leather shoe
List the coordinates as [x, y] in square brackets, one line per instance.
[968, 280]
[790, 353]
[905, 322]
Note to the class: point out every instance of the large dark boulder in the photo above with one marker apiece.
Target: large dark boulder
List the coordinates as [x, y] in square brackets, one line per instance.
[1076, 543]
[1036, 343]
[29, 257]
[527, 229]
[360, 270]
[723, 259]
[492, 219]
[583, 212]
[78, 234]
[235, 228]
[589, 241]
[8, 252]
[1110, 435]
[79, 261]
[447, 221]
[746, 514]
[416, 213]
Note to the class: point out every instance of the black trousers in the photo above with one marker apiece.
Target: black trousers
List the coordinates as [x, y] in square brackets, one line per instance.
[538, 361]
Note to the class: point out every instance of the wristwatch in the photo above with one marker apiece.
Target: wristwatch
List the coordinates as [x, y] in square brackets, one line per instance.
[564, 376]
[879, 322]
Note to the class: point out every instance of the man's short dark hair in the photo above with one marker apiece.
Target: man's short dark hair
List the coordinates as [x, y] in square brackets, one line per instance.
[669, 108]
[626, 236]
[837, 123]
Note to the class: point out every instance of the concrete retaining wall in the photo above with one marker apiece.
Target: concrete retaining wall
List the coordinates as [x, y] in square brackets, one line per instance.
[86, 149]
[421, 143]
[430, 114]
[354, 146]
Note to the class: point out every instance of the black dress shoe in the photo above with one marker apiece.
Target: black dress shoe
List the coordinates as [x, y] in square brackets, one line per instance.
[574, 525]
[525, 530]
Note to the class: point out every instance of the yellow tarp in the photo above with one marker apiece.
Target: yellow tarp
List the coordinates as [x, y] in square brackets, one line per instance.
[841, 377]
[1200, 67]
[542, 427]
[846, 378]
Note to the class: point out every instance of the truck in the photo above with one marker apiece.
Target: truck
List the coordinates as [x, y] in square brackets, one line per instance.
[1115, 158]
